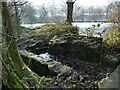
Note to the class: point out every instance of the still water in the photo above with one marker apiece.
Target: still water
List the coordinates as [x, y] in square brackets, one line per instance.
[81, 26]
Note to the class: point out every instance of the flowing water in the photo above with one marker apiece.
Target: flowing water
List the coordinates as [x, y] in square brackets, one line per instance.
[46, 56]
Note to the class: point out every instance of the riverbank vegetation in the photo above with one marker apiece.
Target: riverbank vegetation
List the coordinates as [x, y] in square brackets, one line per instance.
[56, 55]
[112, 38]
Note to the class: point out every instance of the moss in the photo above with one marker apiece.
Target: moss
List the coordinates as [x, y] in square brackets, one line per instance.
[12, 80]
[111, 81]
[51, 30]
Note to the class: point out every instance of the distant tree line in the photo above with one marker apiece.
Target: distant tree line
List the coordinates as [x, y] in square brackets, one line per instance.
[45, 14]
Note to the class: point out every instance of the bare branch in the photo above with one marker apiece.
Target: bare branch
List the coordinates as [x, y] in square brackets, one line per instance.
[8, 35]
[74, 1]
[20, 4]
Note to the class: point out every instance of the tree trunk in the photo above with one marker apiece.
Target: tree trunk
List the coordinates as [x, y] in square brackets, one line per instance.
[107, 14]
[83, 15]
[10, 39]
[17, 20]
[13, 54]
[70, 12]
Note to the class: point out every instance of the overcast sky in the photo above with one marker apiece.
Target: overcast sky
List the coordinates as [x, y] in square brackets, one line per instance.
[79, 2]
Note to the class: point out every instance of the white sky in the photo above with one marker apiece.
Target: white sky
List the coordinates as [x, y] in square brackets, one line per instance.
[79, 2]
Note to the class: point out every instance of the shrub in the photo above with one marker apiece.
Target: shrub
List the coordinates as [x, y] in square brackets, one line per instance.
[112, 38]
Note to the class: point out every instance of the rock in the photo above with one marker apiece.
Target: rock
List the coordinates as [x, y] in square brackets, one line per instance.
[56, 83]
[65, 71]
[111, 81]
[45, 66]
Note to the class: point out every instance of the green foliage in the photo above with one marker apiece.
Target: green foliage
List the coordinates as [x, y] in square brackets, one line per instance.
[112, 38]
[10, 78]
[90, 30]
[90, 34]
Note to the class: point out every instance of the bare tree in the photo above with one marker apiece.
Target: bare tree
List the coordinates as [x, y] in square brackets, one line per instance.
[77, 11]
[64, 6]
[98, 13]
[83, 14]
[29, 13]
[16, 11]
[42, 14]
[114, 12]
[91, 13]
